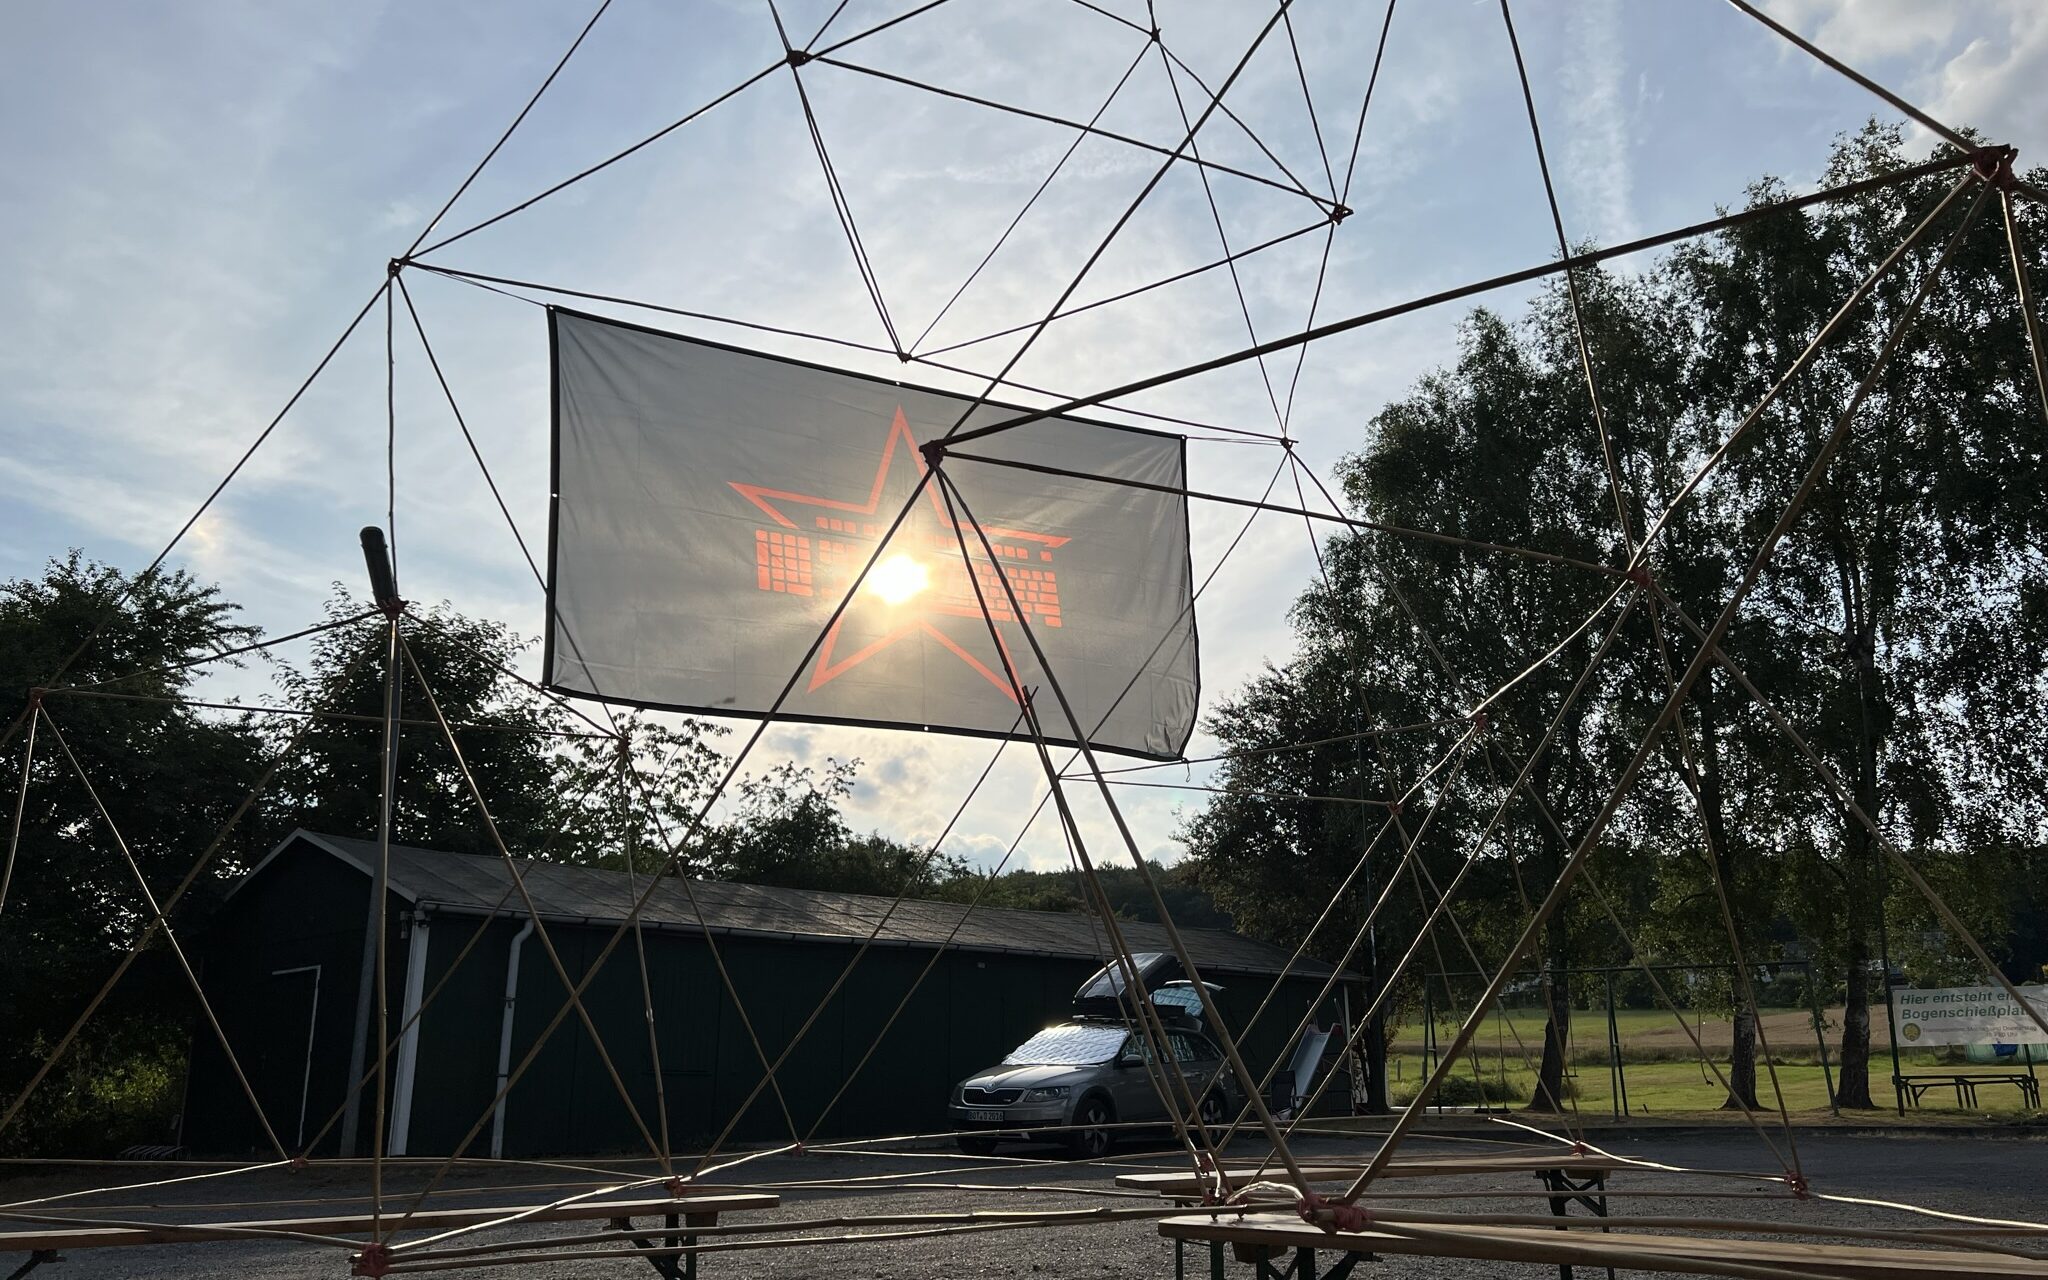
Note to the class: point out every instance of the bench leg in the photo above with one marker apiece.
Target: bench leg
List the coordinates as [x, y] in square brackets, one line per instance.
[664, 1266]
[36, 1259]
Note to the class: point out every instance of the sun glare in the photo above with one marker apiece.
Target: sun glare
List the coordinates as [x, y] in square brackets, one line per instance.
[897, 578]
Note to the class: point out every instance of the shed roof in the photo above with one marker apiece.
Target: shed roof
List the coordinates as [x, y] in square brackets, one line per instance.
[472, 884]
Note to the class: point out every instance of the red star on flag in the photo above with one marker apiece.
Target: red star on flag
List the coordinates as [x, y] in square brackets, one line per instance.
[919, 577]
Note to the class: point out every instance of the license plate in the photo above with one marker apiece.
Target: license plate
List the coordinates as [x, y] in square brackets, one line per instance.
[992, 1117]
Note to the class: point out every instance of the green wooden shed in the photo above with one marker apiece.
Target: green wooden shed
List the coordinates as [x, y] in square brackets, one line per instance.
[471, 974]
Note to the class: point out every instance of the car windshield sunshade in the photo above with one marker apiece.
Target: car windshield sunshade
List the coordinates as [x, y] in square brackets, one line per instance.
[1068, 1046]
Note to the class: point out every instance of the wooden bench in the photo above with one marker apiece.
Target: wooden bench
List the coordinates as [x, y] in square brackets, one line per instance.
[678, 1215]
[1569, 1176]
[1965, 1084]
[1260, 1238]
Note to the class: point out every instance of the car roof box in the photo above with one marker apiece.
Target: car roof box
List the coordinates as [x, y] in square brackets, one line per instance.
[1103, 992]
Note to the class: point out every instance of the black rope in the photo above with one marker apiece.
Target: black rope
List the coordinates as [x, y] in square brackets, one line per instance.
[468, 438]
[819, 34]
[1173, 154]
[1223, 237]
[1299, 186]
[127, 592]
[488, 282]
[840, 204]
[257, 708]
[1127, 294]
[1004, 238]
[1523, 276]
[220, 654]
[1122, 221]
[1309, 100]
[1315, 301]
[606, 163]
[512, 128]
[880, 27]
[1475, 544]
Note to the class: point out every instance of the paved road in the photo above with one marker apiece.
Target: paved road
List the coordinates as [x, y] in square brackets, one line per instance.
[1991, 1176]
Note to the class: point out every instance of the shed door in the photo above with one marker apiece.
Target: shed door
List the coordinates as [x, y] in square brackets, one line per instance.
[285, 1076]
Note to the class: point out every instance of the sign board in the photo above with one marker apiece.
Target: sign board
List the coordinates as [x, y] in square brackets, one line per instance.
[1967, 1015]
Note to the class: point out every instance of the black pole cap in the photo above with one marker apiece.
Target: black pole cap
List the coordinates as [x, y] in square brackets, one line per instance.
[383, 582]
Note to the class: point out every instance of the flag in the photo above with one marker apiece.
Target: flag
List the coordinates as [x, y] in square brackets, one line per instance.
[712, 507]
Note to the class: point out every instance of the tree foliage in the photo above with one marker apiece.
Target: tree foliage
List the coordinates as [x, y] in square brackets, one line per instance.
[1900, 627]
[169, 778]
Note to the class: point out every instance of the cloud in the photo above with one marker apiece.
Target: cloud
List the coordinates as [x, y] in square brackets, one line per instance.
[1977, 65]
[1598, 164]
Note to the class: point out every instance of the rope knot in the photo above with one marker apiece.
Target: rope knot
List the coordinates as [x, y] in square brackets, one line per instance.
[933, 451]
[1332, 1216]
[674, 1187]
[798, 57]
[1339, 212]
[1796, 1183]
[299, 1163]
[374, 1260]
[1994, 165]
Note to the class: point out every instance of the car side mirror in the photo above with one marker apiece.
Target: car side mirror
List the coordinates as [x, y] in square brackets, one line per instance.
[1131, 1060]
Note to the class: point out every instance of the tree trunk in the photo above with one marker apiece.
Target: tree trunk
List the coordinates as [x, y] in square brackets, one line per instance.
[1853, 1089]
[1376, 1065]
[1721, 857]
[1865, 897]
[1742, 1060]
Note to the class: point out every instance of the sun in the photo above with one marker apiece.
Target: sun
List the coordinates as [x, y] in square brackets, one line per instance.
[898, 577]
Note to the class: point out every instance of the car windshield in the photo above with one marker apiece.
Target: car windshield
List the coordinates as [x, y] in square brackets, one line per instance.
[1067, 1046]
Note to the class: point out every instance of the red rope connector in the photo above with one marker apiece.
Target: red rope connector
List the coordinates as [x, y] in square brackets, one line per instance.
[374, 1260]
[1480, 721]
[934, 452]
[1318, 1212]
[798, 57]
[35, 699]
[1640, 575]
[1796, 1183]
[299, 1163]
[1994, 165]
[1580, 1148]
[674, 1187]
[796, 1148]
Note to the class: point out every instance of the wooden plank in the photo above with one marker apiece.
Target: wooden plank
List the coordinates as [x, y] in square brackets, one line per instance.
[1691, 1255]
[1577, 1166]
[701, 1210]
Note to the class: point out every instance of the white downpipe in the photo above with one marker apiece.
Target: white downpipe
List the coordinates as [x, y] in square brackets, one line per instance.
[505, 1038]
[408, 1039]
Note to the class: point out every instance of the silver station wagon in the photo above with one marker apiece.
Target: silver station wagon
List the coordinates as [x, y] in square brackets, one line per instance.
[1081, 1083]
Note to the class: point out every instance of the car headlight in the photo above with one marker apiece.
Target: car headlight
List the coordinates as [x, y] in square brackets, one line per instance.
[1052, 1093]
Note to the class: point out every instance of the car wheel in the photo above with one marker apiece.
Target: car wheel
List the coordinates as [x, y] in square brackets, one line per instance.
[1091, 1138]
[977, 1146]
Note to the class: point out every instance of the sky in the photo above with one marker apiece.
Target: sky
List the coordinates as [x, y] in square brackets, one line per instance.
[197, 198]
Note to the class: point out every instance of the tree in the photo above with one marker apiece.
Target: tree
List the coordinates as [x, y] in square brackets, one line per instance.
[1902, 626]
[789, 832]
[335, 780]
[1905, 607]
[169, 776]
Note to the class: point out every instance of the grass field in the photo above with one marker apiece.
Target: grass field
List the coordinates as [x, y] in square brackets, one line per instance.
[1661, 1070]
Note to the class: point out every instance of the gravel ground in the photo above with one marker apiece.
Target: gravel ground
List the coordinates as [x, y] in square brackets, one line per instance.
[1997, 1176]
